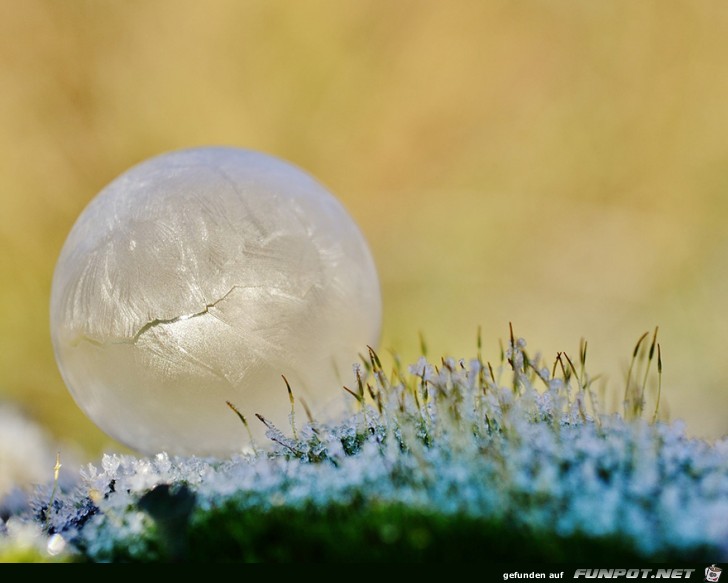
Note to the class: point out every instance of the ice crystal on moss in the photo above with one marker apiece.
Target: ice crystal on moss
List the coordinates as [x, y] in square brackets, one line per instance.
[460, 439]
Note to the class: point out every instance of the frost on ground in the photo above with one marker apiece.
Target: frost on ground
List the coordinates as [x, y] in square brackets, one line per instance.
[25, 453]
[454, 458]
[25, 458]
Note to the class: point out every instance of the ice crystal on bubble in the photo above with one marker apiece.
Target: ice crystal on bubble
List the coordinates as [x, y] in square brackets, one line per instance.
[199, 277]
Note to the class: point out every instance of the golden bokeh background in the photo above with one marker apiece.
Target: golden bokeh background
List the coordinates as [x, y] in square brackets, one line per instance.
[555, 163]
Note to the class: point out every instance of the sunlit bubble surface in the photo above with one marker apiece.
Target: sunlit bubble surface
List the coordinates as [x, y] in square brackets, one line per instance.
[199, 277]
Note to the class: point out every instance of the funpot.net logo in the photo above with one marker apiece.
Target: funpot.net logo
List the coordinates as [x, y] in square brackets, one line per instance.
[636, 573]
[712, 573]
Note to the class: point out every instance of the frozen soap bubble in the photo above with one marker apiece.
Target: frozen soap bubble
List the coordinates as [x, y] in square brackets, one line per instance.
[200, 277]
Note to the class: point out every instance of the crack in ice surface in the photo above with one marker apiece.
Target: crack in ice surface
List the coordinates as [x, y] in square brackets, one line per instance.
[161, 321]
[158, 321]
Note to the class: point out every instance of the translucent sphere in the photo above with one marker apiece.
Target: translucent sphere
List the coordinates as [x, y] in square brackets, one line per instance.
[199, 277]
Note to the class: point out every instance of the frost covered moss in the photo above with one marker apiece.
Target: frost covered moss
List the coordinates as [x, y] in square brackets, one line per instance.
[449, 461]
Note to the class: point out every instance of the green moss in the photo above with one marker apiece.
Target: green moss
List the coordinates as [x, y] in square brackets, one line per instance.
[447, 463]
[374, 532]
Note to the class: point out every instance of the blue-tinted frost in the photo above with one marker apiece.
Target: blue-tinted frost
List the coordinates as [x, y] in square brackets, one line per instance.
[447, 438]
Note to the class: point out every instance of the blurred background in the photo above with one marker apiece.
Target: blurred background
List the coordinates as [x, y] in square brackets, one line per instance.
[559, 164]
